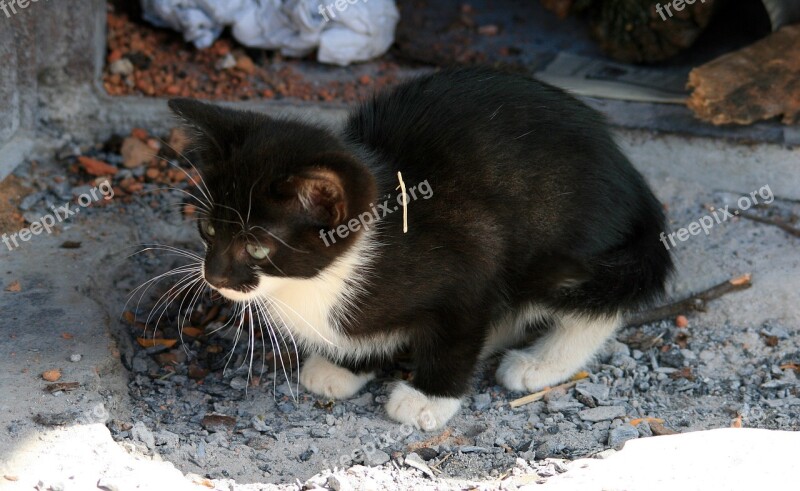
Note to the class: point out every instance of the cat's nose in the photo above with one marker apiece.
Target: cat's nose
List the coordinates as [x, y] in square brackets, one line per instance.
[218, 281]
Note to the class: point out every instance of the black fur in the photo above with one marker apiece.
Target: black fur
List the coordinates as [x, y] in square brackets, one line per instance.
[532, 202]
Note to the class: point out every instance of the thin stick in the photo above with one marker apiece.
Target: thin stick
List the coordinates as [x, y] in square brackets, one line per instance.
[538, 395]
[694, 303]
[405, 201]
[772, 221]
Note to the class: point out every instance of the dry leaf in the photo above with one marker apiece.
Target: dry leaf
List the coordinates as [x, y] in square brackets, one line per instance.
[790, 366]
[637, 421]
[580, 376]
[52, 375]
[151, 342]
[192, 331]
[659, 429]
[14, 287]
[96, 167]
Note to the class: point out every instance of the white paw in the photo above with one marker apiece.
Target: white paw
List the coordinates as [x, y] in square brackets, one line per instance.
[322, 377]
[410, 406]
[522, 371]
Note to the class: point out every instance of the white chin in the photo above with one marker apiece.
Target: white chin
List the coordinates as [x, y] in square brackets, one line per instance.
[236, 295]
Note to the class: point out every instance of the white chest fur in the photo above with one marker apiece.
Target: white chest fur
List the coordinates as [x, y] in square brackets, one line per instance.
[311, 310]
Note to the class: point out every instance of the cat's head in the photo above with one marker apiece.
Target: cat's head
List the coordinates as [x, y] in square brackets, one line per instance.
[270, 189]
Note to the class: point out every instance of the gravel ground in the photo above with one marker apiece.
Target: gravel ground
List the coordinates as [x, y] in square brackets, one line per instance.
[198, 404]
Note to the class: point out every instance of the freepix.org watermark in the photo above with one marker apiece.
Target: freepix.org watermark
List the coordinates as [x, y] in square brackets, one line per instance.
[9, 7]
[46, 223]
[328, 12]
[678, 5]
[706, 223]
[368, 218]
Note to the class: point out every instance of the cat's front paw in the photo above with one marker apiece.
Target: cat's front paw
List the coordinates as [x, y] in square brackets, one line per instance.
[322, 377]
[410, 406]
[522, 371]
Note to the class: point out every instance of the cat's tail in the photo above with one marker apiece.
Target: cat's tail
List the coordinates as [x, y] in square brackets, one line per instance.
[630, 277]
[634, 275]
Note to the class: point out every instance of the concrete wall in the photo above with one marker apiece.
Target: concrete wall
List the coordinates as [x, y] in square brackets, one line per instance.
[49, 44]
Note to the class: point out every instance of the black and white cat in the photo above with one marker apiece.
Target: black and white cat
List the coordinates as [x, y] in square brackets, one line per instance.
[523, 219]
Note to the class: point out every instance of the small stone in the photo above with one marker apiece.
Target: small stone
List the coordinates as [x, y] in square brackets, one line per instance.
[473, 449]
[30, 201]
[319, 432]
[238, 383]
[598, 392]
[123, 67]
[644, 429]
[306, 456]
[602, 413]
[139, 365]
[218, 422]
[618, 436]
[79, 190]
[614, 347]
[135, 153]
[681, 322]
[339, 483]
[672, 358]
[481, 401]
[153, 173]
[226, 62]
[140, 432]
[166, 438]
[377, 457]
[605, 454]
[259, 443]
[563, 406]
[75, 357]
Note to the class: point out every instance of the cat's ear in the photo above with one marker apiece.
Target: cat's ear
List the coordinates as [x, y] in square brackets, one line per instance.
[336, 187]
[217, 125]
[320, 193]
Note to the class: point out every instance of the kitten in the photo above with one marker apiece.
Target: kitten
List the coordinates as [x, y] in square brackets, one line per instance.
[523, 217]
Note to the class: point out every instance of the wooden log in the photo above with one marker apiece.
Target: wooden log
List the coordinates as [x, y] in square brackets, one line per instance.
[761, 81]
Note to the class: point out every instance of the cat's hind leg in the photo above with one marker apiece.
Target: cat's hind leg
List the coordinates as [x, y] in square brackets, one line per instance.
[558, 354]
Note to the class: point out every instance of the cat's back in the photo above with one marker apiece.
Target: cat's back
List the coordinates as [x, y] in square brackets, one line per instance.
[469, 107]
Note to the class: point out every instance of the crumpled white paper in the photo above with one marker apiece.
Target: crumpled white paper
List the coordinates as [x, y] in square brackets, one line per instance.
[342, 31]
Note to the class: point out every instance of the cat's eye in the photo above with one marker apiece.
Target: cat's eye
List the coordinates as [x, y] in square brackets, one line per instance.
[208, 228]
[257, 251]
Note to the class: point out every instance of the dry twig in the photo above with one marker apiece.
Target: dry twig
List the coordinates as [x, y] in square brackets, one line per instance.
[695, 303]
[773, 221]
